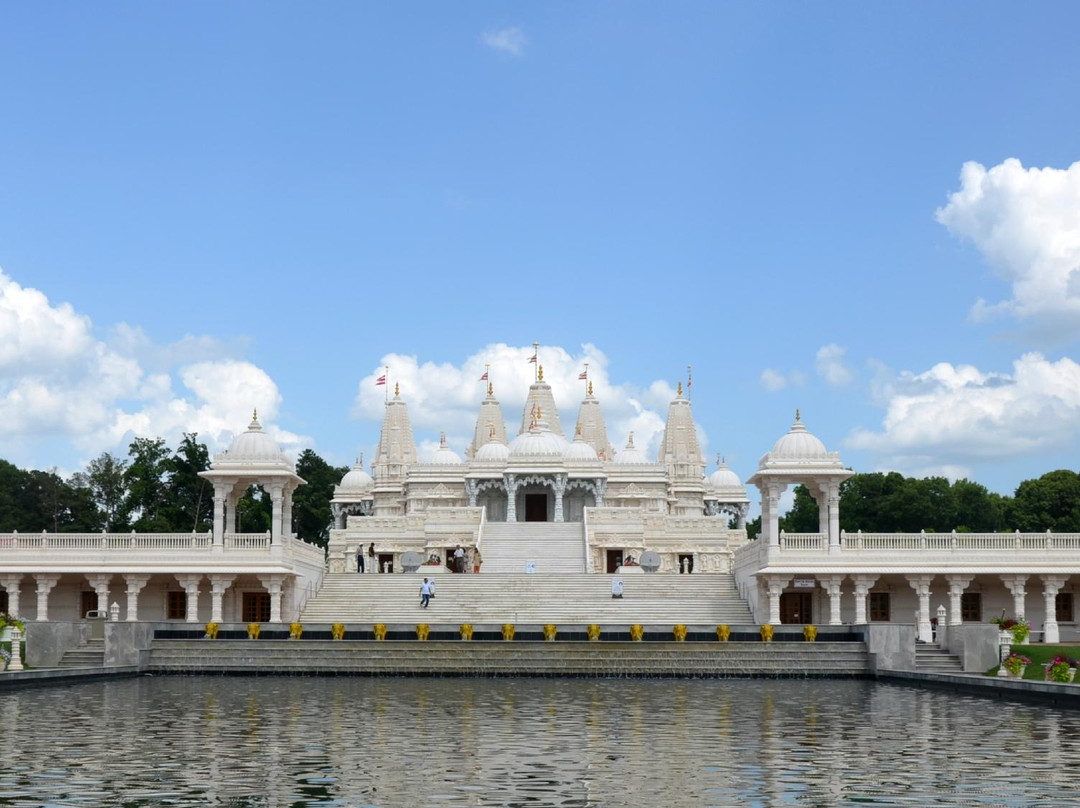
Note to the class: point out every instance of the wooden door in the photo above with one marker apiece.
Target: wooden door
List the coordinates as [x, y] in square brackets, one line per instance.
[256, 607]
[796, 607]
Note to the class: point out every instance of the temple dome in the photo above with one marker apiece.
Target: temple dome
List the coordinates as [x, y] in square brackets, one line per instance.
[492, 452]
[539, 441]
[579, 451]
[798, 444]
[724, 477]
[355, 481]
[444, 455]
[631, 455]
[254, 445]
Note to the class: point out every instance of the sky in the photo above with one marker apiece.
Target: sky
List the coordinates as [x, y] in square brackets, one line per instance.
[867, 211]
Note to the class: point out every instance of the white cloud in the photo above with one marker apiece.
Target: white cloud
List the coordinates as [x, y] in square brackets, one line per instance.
[509, 40]
[446, 397]
[58, 381]
[1026, 223]
[830, 365]
[952, 416]
[773, 380]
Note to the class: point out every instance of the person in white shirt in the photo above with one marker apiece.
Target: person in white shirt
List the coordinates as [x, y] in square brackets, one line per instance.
[425, 594]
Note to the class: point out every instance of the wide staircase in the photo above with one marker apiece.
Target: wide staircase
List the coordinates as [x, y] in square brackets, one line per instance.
[568, 598]
[555, 547]
[90, 654]
[932, 658]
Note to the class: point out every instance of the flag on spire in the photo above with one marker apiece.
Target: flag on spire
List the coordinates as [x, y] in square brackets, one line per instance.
[583, 375]
[380, 381]
[484, 378]
[532, 358]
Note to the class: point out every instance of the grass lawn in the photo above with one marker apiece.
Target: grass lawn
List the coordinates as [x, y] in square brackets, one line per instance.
[1039, 656]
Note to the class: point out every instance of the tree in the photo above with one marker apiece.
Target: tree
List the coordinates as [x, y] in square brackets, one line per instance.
[312, 517]
[803, 516]
[147, 480]
[1052, 502]
[104, 481]
[190, 504]
[255, 509]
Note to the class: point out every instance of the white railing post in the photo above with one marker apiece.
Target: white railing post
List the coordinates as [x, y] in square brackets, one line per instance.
[16, 650]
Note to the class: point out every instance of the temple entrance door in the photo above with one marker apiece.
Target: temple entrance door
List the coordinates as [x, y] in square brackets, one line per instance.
[255, 607]
[536, 507]
[87, 603]
[386, 562]
[796, 607]
[614, 560]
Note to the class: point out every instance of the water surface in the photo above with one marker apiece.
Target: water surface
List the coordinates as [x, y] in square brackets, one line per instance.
[281, 741]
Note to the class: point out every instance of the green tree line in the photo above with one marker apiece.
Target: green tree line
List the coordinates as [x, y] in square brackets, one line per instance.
[891, 503]
[155, 489]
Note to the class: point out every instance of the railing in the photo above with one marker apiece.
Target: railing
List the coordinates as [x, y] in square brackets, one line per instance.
[247, 541]
[801, 541]
[105, 541]
[585, 531]
[480, 529]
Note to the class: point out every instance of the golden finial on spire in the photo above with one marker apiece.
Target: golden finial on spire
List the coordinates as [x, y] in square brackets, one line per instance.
[397, 389]
[255, 414]
[540, 374]
[797, 416]
[539, 413]
[442, 439]
[491, 390]
[679, 391]
[630, 441]
[590, 388]
[360, 460]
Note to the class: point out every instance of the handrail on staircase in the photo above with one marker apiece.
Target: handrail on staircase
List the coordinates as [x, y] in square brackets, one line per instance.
[480, 529]
[585, 531]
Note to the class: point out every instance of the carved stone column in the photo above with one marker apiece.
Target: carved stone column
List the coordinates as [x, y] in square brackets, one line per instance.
[740, 515]
[45, 584]
[921, 585]
[190, 585]
[11, 584]
[135, 584]
[286, 515]
[834, 517]
[773, 520]
[218, 585]
[100, 585]
[275, 518]
[219, 514]
[957, 585]
[511, 498]
[1015, 584]
[601, 489]
[831, 584]
[776, 584]
[1051, 586]
[560, 489]
[273, 586]
[863, 584]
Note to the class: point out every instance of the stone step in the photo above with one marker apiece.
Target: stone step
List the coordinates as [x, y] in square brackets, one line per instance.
[496, 658]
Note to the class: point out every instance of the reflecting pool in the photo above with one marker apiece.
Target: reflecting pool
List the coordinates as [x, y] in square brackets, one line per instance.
[230, 741]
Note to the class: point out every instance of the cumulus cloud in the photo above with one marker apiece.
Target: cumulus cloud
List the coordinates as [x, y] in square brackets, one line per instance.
[951, 416]
[58, 381]
[830, 365]
[1026, 224]
[774, 380]
[446, 397]
[509, 40]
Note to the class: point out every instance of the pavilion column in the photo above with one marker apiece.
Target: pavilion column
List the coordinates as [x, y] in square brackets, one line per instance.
[831, 584]
[560, 489]
[957, 585]
[776, 584]
[135, 584]
[45, 584]
[833, 500]
[863, 583]
[273, 586]
[286, 514]
[511, 498]
[601, 488]
[822, 500]
[275, 518]
[100, 585]
[12, 584]
[218, 585]
[772, 499]
[190, 585]
[470, 488]
[1052, 584]
[1015, 584]
[921, 585]
[219, 515]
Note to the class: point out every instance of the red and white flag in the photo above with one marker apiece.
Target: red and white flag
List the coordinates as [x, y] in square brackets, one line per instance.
[583, 375]
[381, 380]
[532, 358]
[484, 378]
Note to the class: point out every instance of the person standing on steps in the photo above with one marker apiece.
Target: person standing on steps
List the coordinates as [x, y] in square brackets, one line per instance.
[371, 558]
[476, 561]
[459, 560]
[425, 594]
[360, 560]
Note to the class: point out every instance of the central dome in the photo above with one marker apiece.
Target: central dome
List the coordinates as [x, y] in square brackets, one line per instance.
[539, 441]
[798, 444]
[254, 444]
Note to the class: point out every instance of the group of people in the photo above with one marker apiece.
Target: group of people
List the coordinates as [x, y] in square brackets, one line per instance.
[462, 560]
[371, 563]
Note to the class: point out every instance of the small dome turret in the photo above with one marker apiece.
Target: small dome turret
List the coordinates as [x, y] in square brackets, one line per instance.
[254, 444]
[799, 444]
[444, 455]
[631, 455]
[356, 482]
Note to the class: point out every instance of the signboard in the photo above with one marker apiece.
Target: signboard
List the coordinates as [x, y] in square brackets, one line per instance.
[530, 567]
[804, 583]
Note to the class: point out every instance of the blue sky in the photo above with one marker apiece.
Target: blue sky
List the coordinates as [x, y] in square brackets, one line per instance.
[207, 207]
